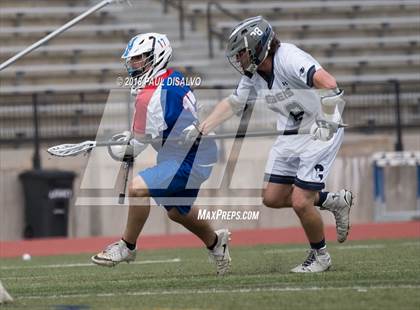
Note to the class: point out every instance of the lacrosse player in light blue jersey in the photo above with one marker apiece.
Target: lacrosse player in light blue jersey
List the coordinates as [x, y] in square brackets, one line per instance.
[164, 110]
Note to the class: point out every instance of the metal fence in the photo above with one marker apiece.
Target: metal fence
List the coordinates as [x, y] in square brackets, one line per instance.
[64, 117]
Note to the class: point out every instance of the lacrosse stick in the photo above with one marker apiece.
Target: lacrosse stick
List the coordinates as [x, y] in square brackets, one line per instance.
[65, 150]
[57, 32]
[127, 165]
[68, 149]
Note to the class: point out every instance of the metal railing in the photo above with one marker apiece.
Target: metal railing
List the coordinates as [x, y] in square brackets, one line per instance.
[55, 33]
[179, 5]
[72, 117]
[211, 31]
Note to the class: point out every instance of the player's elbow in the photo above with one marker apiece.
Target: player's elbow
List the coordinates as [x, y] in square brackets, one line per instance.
[331, 83]
[324, 80]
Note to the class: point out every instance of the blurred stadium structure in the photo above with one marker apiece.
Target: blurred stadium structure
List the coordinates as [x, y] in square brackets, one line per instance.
[372, 47]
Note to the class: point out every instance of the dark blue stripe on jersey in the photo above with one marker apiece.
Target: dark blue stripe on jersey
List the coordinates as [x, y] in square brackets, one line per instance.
[248, 74]
[177, 118]
[312, 186]
[310, 76]
[269, 78]
[279, 179]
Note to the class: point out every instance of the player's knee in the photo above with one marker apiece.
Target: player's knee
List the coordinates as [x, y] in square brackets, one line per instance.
[174, 215]
[138, 188]
[270, 202]
[275, 202]
[134, 191]
[301, 205]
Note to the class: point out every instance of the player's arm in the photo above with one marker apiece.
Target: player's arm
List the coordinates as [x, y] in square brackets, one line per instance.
[222, 112]
[331, 95]
[235, 103]
[323, 80]
[225, 109]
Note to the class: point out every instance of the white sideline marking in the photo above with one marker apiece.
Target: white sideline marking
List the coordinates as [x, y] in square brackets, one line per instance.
[346, 247]
[367, 246]
[144, 262]
[276, 251]
[362, 289]
[340, 247]
[411, 243]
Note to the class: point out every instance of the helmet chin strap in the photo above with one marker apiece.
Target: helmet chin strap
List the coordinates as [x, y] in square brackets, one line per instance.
[252, 68]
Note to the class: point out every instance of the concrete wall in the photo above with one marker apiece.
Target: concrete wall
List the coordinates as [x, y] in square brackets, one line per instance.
[352, 169]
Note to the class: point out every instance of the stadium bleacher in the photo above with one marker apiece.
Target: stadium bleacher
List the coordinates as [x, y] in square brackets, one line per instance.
[358, 41]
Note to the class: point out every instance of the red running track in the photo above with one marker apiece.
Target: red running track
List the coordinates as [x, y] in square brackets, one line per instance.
[61, 246]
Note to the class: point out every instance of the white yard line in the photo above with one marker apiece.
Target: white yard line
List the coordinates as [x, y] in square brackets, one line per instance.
[347, 247]
[410, 243]
[340, 247]
[144, 262]
[361, 289]
[357, 247]
[38, 277]
[277, 251]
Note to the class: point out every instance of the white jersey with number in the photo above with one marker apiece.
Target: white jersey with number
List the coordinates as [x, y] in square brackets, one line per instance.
[290, 94]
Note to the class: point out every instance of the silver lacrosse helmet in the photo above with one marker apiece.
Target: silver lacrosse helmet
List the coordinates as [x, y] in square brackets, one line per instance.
[249, 44]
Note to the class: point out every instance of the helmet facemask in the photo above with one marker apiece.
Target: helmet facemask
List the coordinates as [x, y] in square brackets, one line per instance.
[242, 61]
[140, 67]
[145, 56]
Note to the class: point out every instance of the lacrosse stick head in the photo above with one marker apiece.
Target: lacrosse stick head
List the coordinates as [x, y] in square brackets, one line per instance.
[65, 150]
[322, 123]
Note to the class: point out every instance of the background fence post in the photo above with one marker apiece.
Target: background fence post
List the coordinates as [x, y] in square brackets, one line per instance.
[36, 159]
[399, 144]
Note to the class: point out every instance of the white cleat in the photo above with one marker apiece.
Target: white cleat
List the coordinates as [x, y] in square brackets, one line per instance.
[340, 204]
[220, 254]
[114, 254]
[317, 261]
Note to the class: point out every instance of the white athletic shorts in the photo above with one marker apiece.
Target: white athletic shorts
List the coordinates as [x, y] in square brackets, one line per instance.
[302, 161]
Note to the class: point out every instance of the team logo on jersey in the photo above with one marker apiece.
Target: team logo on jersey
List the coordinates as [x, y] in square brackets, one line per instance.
[319, 172]
[302, 71]
[274, 100]
[296, 113]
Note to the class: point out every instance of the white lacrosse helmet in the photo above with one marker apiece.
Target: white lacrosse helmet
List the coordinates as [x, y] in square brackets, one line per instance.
[145, 55]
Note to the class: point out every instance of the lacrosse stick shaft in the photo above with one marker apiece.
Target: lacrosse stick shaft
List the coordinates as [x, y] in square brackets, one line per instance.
[55, 33]
[253, 134]
[127, 166]
[67, 149]
[209, 137]
[287, 132]
[217, 136]
[242, 135]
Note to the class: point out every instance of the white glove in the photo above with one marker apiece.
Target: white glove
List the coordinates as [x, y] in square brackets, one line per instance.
[330, 99]
[323, 130]
[190, 134]
[127, 151]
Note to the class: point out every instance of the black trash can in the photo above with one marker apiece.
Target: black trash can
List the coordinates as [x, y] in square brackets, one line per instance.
[47, 197]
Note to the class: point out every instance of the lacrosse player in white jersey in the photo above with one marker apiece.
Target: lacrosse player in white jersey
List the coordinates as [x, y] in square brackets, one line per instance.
[292, 84]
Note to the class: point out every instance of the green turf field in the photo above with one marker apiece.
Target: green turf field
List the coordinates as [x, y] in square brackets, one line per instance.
[365, 275]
